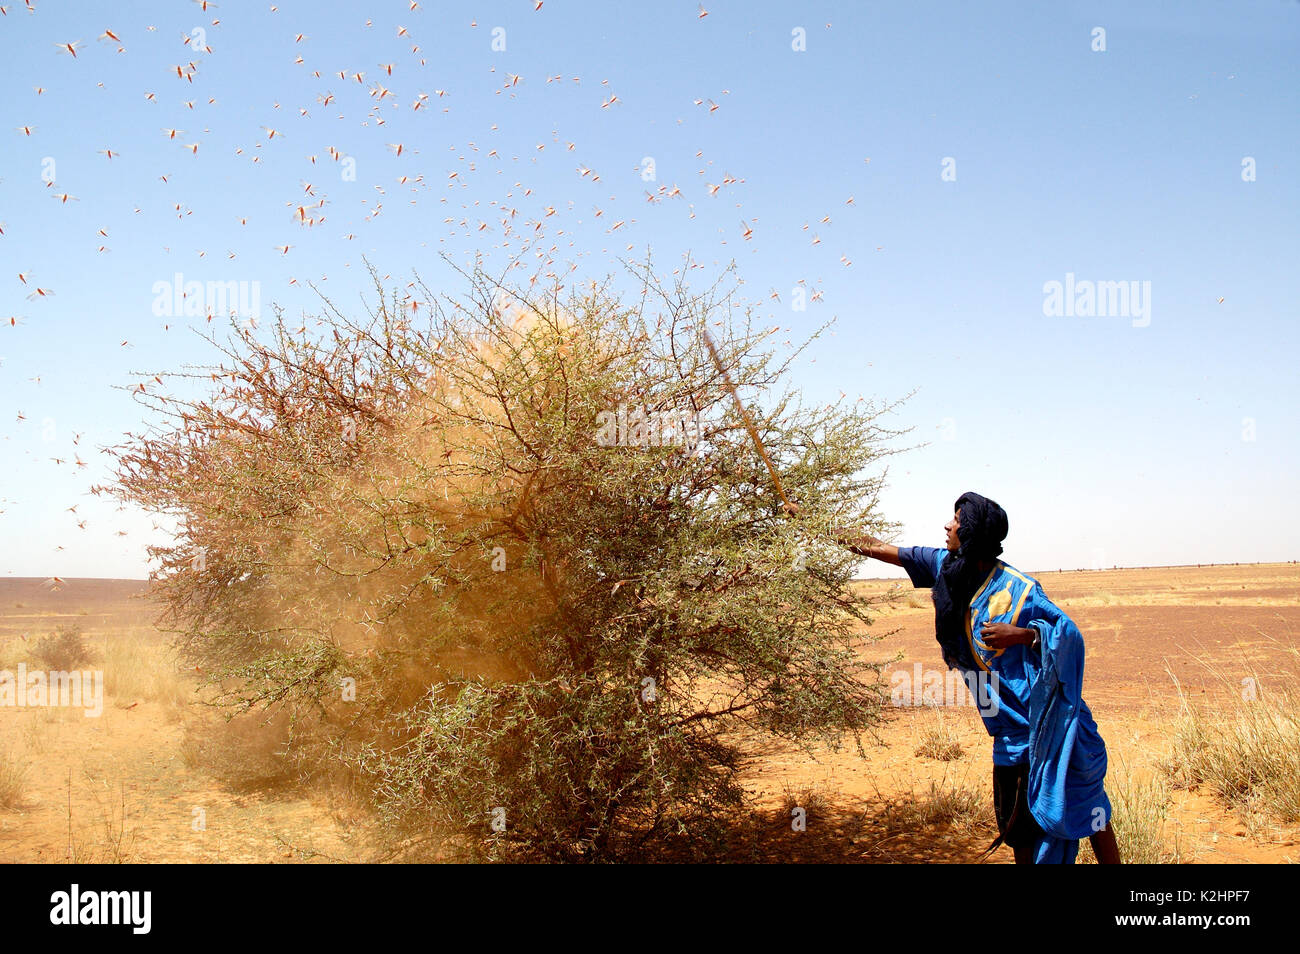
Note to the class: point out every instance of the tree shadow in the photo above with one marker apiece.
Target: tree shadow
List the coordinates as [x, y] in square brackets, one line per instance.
[937, 827]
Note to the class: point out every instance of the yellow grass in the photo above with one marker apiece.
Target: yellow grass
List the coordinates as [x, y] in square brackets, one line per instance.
[946, 803]
[939, 742]
[136, 662]
[811, 800]
[13, 650]
[13, 777]
[114, 845]
[138, 667]
[1140, 819]
[948, 811]
[1248, 756]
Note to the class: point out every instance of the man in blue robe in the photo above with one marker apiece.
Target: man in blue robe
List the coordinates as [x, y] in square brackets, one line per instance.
[1049, 761]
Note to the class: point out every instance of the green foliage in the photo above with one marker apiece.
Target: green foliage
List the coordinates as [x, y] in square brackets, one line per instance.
[548, 629]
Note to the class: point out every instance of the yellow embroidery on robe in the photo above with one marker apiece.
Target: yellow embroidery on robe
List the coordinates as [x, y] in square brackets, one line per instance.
[1000, 602]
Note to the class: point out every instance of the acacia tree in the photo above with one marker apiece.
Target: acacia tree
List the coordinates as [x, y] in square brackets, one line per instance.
[513, 557]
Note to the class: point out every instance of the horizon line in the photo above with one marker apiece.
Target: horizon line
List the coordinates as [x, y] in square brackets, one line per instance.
[858, 579]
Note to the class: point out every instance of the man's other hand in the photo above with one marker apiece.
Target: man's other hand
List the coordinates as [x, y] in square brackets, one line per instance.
[1003, 635]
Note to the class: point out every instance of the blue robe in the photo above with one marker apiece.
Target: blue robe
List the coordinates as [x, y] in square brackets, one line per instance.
[1040, 716]
[1067, 757]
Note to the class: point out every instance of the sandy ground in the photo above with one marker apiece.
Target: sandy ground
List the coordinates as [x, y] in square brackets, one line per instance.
[125, 786]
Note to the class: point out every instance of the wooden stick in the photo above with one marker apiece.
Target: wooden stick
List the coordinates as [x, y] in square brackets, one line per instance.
[744, 413]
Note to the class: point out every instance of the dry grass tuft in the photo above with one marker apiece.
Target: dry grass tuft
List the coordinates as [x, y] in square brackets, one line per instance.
[958, 806]
[1248, 756]
[139, 667]
[13, 779]
[939, 742]
[116, 847]
[1140, 820]
[952, 804]
[814, 804]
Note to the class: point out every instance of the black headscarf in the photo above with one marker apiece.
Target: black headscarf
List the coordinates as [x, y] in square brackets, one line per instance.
[981, 530]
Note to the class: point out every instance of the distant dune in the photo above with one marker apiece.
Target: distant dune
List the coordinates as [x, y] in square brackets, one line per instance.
[37, 603]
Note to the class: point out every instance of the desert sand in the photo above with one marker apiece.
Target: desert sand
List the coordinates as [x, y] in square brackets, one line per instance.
[148, 781]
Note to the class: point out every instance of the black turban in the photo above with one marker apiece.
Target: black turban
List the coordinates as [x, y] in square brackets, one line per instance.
[981, 530]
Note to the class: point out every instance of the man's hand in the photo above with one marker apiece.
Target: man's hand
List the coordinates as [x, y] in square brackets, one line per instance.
[843, 539]
[866, 546]
[1003, 635]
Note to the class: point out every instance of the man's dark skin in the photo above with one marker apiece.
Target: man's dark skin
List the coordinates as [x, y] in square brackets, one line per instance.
[995, 635]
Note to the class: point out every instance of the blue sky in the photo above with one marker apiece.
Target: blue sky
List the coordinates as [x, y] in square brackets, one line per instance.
[1110, 440]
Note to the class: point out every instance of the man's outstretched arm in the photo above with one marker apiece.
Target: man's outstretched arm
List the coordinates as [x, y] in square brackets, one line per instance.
[863, 546]
[871, 547]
